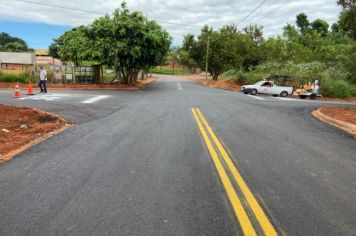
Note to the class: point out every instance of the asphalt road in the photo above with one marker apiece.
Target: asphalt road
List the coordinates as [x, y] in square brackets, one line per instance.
[137, 163]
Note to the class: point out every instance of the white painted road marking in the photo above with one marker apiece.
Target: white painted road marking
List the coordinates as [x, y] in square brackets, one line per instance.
[179, 86]
[256, 97]
[46, 97]
[95, 99]
[289, 99]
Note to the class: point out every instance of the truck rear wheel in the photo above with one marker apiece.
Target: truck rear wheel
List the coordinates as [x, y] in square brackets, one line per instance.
[303, 96]
[284, 94]
[253, 92]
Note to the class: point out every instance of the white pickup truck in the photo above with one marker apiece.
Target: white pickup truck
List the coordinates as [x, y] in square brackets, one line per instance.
[267, 87]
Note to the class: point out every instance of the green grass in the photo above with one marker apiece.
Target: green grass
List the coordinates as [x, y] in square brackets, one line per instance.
[21, 78]
[159, 70]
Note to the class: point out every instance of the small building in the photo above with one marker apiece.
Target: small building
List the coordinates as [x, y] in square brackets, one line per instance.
[43, 58]
[41, 52]
[17, 62]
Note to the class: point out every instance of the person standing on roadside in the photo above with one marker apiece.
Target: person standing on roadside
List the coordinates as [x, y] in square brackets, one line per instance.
[43, 80]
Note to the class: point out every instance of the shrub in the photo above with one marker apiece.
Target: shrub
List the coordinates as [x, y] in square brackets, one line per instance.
[21, 78]
[336, 88]
[240, 76]
[353, 90]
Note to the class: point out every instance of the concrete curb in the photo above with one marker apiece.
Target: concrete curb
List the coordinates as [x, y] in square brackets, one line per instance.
[348, 127]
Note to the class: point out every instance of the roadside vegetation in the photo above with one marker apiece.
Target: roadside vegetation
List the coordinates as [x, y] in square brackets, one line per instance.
[169, 71]
[306, 51]
[21, 78]
[126, 42]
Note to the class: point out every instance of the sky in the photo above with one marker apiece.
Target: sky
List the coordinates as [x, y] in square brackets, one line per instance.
[38, 24]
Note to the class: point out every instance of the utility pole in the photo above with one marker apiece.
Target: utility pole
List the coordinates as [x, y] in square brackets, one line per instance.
[207, 59]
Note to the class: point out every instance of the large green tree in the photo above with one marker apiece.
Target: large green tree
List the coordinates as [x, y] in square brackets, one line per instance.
[228, 49]
[303, 23]
[320, 26]
[125, 41]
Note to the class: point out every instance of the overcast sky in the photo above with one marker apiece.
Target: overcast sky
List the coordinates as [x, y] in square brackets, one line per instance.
[273, 14]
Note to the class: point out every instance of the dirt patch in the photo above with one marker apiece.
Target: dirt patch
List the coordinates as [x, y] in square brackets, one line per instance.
[139, 85]
[351, 99]
[346, 114]
[21, 127]
[232, 85]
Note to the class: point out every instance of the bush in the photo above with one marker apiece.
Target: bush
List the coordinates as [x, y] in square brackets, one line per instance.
[353, 90]
[336, 88]
[240, 76]
[21, 78]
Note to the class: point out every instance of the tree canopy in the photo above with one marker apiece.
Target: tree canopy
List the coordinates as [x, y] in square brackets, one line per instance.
[347, 18]
[12, 44]
[309, 45]
[125, 41]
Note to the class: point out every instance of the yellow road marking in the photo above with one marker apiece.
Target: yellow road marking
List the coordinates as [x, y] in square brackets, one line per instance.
[240, 212]
[261, 217]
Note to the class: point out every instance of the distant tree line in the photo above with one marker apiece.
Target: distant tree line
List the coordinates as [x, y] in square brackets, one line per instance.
[125, 41]
[12, 44]
[305, 51]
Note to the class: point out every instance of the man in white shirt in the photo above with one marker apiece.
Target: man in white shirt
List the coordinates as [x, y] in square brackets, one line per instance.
[43, 80]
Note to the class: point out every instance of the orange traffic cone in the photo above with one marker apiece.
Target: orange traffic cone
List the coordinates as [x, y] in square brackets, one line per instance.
[29, 88]
[17, 93]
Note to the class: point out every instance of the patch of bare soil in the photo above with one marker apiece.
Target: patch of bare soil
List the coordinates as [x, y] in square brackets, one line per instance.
[20, 127]
[139, 85]
[351, 99]
[221, 84]
[346, 114]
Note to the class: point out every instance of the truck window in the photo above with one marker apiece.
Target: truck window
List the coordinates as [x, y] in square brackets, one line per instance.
[267, 84]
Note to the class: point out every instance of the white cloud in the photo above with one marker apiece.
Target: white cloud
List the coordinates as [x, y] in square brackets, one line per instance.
[273, 15]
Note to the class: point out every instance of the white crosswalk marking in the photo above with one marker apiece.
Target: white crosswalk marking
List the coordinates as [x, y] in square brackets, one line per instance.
[95, 99]
[46, 97]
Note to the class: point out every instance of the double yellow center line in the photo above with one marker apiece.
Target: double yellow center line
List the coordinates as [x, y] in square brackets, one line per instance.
[221, 158]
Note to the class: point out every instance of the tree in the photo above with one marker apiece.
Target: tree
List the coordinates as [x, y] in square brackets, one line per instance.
[228, 49]
[255, 32]
[189, 53]
[346, 3]
[320, 26]
[125, 41]
[303, 23]
[347, 18]
[12, 44]
[74, 46]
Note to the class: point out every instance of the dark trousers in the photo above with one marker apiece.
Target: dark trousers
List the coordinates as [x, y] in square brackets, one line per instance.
[43, 86]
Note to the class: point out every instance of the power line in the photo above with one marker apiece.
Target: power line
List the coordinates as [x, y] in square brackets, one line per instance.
[263, 9]
[58, 6]
[263, 2]
[267, 7]
[95, 12]
[273, 9]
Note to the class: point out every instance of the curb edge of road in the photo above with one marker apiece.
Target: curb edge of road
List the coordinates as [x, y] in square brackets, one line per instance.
[348, 127]
[10, 155]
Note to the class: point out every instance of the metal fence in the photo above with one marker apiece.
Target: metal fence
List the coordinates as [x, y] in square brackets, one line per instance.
[72, 74]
